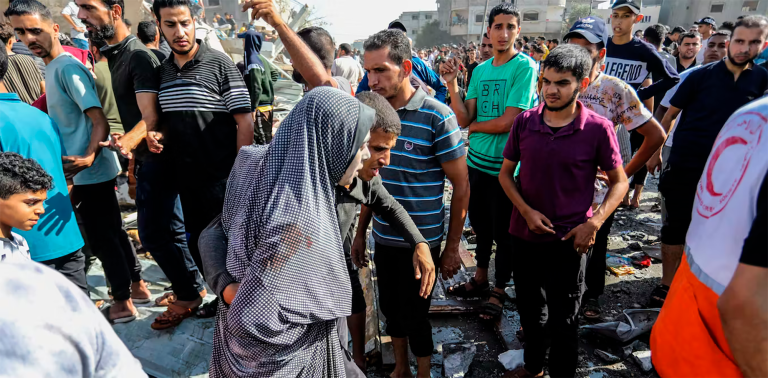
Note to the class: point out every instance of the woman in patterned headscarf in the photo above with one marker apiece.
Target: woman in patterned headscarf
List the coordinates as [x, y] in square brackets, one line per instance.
[284, 245]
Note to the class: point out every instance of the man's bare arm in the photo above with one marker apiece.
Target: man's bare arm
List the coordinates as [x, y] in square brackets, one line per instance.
[744, 313]
[244, 129]
[72, 22]
[456, 171]
[99, 132]
[654, 139]
[466, 111]
[669, 118]
[500, 125]
[303, 58]
[150, 116]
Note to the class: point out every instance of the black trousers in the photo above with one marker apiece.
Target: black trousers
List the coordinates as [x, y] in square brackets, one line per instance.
[549, 282]
[595, 277]
[103, 223]
[161, 226]
[71, 266]
[405, 310]
[201, 202]
[489, 212]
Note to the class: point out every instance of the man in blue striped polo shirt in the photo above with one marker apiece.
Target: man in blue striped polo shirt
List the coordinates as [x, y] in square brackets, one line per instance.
[429, 149]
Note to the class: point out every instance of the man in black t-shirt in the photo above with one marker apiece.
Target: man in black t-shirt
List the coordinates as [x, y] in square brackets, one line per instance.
[150, 37]
[690, 45]
[709, 96]
[135, 84]
[471, 67]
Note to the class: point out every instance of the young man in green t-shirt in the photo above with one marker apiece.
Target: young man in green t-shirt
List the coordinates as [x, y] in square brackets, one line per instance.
[501, 88]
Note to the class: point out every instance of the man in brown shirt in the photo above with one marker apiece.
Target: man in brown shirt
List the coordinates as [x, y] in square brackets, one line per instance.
[23, 76]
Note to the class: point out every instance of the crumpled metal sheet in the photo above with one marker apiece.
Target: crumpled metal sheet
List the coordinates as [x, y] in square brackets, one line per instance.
[636, 323]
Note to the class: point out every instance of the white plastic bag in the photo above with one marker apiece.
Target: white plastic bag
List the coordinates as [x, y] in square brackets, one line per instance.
[512, 359]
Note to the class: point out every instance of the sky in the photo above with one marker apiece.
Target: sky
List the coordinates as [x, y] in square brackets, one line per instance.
[357, 19]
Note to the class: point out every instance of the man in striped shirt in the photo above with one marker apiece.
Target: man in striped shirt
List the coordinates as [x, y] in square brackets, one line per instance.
[23, 76]
[135, 83]
[429, 149]
[206, 118]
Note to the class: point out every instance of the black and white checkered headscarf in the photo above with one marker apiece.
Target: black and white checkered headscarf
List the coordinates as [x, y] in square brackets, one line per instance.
[285, 247]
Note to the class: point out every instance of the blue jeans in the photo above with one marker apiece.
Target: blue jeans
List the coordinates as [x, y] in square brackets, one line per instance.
[80, 43]
[161, 227]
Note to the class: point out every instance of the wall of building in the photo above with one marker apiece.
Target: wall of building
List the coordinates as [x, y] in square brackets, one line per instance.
[465, 21]
[414, 21]
[686, 12]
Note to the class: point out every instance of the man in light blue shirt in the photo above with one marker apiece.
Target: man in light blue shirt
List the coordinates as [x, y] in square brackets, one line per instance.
[74, 106]
[55, 241]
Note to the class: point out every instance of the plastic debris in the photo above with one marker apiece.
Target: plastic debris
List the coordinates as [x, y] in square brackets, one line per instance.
[643, 359]
[617, 260]
[512, 359]
[643, 262]
[636, 323]
[457, 357]
[622, 271]
[636, 246]
[607, 357]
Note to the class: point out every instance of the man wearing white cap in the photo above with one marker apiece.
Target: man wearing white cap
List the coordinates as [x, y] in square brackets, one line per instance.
[624, 108]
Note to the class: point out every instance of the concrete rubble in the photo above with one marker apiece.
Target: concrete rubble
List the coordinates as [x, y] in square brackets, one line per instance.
[457, 357]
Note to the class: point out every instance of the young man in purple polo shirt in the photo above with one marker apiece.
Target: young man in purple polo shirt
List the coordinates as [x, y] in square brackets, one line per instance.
[560, 145]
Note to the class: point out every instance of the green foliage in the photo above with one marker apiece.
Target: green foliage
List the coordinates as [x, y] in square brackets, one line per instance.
[575, 12]
[431, 35]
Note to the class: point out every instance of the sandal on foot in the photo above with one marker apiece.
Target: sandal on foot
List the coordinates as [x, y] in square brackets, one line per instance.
[491, 309]
[208, 310]
[165, 300]
[171, 317]
[658, 296]
[593, 306]
[460, 290]
[124, 319]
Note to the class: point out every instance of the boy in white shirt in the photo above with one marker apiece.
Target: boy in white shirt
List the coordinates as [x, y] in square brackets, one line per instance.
[24, 186]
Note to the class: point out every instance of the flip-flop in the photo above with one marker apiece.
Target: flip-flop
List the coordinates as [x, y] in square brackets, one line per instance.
[124, 319]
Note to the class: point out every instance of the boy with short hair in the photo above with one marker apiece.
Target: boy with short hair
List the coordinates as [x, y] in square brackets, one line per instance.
[632, 60]
[24, 186]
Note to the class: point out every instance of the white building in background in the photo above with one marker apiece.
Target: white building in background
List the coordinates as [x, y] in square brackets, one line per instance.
[686, 12]
[539, 17]
[414, 21]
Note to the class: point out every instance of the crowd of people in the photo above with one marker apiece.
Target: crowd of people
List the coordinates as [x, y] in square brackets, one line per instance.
[559, 135]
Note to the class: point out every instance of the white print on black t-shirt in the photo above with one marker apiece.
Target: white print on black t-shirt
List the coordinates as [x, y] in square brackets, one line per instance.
[493, 94]
[631, 71]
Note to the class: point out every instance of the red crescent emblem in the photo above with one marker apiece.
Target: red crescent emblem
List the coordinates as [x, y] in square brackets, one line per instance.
[730, 141]
[726, 166]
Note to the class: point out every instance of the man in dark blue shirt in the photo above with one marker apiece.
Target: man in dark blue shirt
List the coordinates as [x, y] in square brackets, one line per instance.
[709, 96]
[420, 70]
